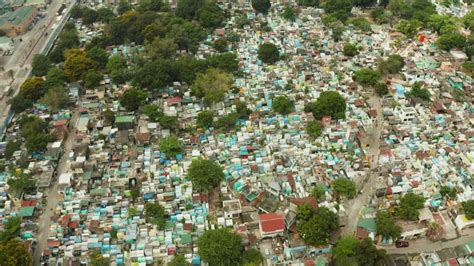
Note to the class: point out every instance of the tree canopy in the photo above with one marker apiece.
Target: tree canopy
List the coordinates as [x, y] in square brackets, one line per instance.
[92, 78]
[314, 129]
[344, 187]
[171, 146]
[40, 65]
[178, 260]
[268, 53]
[155, 214]
[350, 251]
[261, 6]
[289, 13]
[212, 85]
[468, 208]
[451, 40]
[76, 64]
[220, 247]
[55, 98]
[132, 99]
[409, 205]
[386, 226]
[350, 49]
[316, 227]
[11, 229]
[282, 105]
[392, 65]
[33, 88]
[205, 119]
[205, 174]
[329, 103]
[418, 91]
[366, 76]
[252, 257]
[381, 89]
[14, 252]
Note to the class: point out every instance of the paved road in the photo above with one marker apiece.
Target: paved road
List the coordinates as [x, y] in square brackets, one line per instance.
[425, 245]
[20, 61]
[354, 206]
[45, 219]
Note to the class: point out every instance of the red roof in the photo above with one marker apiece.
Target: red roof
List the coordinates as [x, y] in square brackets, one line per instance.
[53, 243]
[311, 201]
[60, 123]
[27, 203]
[173, 100]
[272, 222]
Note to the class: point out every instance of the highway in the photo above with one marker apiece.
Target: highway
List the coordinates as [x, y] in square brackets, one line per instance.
[32, 43]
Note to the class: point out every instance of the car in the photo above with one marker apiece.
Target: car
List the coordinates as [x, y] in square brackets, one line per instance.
[402, 244]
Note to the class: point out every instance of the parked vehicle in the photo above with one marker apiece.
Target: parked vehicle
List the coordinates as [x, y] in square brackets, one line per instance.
[402, 244]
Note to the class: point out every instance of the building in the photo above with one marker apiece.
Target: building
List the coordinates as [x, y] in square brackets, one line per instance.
[5, 44]
[36, 3]
[17, 22]
[271, 225]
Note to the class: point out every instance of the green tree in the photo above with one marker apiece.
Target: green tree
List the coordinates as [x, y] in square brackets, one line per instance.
[14, 253]
[205, 119]
[33, 88]
[40, 65]
[329, 103]
[105, 14]
[11, 229]
[368, 254]
[178, 260]
[345, 248]
[89, 15]
[282, 105]
[289, 13]
[226, 62]
[364, 3]
[317, 230]
[109, 117]
[360, 23]
[162, 48]
[380, 16]
[268, 53]
[392, 65]
[220, 45]
[242, 110]
[305, 212]
[468, 208]
[252, 257]
[210, 15]
[99, 56]
[150, 5]
[76, 64]
[220, 247]
[132, 99]
[318, 192]
[366, 76]
[312, 3]
[92, 78]
[314, 129]
[381, 89]
[11, 147]
[386, 226]
[38, 142]
[76, 12]
[21, 183]
[55, 78]
[168, 122]
[451, 40]
[153, 112]
[337, 29]
[468, 20]
[409, 205]
[418, 91]
[448, 192]
[438, 22]
[261, 6]
[350, 49]
[19, 104]
[153, 75]
[188, 8]
[96, 259]
[171, 146]
[212, 85]
[55, 98]
[123, 6]
[344, 187]
[205, 174]
[117, 69]
[155, 214]
[409, 27]
[227, 122]
[340, 9]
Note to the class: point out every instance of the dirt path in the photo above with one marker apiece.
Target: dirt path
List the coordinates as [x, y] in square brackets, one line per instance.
[53, 196]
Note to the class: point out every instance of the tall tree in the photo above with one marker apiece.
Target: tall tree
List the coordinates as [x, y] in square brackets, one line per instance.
[55, 98]
[40, 65]
[268, 53]
[171, 146]
[92, 78]
[155, 214]
[187, 8]
[344, 187]
[14, 253]
[210, 15]
[132, 99]
[76, 64]
[282, 105]
[205, 174]
[329, 103]
[212, 85]
[33, 88]
[220, 247]
[99, 56]
[261, 6]
[386, 226]
[317, 229]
